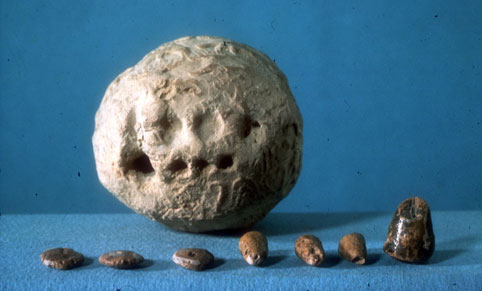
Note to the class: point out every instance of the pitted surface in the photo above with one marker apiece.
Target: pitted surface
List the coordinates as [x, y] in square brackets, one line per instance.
[202, 134]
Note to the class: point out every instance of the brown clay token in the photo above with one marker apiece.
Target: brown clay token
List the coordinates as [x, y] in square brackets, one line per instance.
[410, 234]
[193, 258]
[61, 258]
[352, 248]
[253, 246]
[309, 249]
[121, 259]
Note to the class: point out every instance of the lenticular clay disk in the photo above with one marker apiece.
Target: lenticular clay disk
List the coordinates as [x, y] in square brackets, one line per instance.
[202, 134]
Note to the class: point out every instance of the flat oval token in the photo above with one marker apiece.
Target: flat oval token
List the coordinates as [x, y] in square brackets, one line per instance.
[121, 259]
[193, 259]
[61, 258]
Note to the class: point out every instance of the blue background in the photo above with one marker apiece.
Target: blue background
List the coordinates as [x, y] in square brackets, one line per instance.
[391, 95]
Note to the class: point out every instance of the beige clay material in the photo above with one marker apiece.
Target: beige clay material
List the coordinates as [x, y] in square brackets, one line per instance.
[202, 134]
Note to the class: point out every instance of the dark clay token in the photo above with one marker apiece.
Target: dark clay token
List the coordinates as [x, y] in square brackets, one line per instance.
[253, 246]
[193, 259]
[61, 258]
[121, 259]
[352, 247]
[310, 250]
[410, 234]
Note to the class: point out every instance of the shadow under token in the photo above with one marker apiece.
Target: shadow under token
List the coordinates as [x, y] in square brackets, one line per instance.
[151, 265]
[146, 264]
[227, 265]
[438, 257]
[444, 255]
[331, 260]
[382, 259]
[216, 264]
[372, 259]
[273, 260]
[87, 264]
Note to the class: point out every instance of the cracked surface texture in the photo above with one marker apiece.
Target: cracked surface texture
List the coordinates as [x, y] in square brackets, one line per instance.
[202, 134]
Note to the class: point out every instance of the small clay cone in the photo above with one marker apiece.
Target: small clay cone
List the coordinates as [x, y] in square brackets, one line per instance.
[310, 250]
[352, 248]
[410, 234]
[253, 246]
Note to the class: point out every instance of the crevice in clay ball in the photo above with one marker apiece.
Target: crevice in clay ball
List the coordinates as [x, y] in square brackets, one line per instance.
[225, 161]
[140, 164]
[176, 166]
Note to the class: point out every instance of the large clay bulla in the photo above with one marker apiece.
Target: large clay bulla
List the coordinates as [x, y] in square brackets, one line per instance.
[202, 134]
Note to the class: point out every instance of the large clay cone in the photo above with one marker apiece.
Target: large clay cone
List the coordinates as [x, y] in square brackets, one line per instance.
[410, 234]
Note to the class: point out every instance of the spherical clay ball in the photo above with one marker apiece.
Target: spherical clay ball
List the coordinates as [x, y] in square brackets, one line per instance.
[202, 134]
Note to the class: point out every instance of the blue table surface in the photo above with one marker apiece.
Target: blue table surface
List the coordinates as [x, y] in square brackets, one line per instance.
[455, 265]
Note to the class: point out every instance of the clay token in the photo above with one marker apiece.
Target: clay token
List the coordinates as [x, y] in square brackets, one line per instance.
[62, 258]
[253, 246]
[309, 249]
[193, 258]
[410, 234]
[121, 259]
[352, 248]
